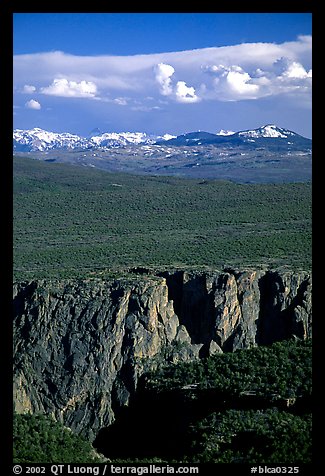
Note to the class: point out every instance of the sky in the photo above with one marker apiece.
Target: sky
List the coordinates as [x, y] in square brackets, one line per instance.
[162, 72]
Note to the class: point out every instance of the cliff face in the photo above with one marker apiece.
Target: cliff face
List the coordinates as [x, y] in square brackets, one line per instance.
[80, 346]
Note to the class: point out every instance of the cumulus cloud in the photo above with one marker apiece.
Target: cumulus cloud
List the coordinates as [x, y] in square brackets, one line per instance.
[180, 91]
[297, 71]
[65, 88]
[233, 83]
[29, 89]
[283, 76]
[184, 93]
[163, 73]
[239, 82]
[286, 68]
[32, 104]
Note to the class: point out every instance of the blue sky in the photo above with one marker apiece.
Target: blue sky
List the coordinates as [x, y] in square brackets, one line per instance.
[162, 72]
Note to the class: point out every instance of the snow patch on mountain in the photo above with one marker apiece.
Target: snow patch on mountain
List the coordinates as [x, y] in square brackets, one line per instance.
[120, 138]
[224, 132]
[166, 137]
[270, 130]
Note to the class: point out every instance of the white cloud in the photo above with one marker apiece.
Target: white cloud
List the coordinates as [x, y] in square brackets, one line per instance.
[29, 89]
[65, 88]
[184, 93]
[296, 70]
[239, 83]
[286, 68]
[180, 92]
[120, 101]
[32, 104]
[163, 74]
[144, 108]
[229, 73]
[233, 83]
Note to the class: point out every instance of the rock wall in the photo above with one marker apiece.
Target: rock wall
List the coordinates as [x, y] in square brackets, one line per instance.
[80, 346]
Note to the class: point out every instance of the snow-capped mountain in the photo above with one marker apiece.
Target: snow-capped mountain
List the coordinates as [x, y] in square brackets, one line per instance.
[270, 130]
[40, 140]
[270, 136]
[116, 139]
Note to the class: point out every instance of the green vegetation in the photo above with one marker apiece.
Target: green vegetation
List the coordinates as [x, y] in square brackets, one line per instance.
[38, 439]
[250, 406]
[255, 425]
[283, 368]
[253, 436]
[71, 221]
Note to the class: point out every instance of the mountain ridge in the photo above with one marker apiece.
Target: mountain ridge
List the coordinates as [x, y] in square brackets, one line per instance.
[270, 135]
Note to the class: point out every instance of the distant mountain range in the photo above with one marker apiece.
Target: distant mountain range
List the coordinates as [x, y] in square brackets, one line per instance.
[39, 140]
[269, 136]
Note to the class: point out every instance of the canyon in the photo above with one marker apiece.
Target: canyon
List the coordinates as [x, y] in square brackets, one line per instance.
[81, 345]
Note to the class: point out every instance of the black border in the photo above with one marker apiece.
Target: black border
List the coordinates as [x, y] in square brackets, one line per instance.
[7, 9]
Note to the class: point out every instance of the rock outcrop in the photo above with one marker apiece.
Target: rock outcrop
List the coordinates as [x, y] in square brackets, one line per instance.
[80, 346]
